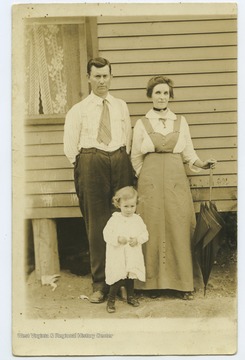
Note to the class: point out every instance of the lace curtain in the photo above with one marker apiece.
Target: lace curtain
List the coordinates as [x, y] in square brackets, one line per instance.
[46, 71]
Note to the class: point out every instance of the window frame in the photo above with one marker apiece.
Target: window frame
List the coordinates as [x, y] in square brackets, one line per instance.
[88, 48]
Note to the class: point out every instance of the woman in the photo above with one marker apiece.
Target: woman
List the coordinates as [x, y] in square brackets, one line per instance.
[161, 142]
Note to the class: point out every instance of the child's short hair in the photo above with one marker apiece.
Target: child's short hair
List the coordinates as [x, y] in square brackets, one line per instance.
[125, 193]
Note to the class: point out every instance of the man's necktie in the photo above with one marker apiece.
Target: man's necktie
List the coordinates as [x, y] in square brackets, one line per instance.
[104, 132]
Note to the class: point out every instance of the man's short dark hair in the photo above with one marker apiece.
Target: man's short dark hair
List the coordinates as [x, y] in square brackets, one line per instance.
[98, 62]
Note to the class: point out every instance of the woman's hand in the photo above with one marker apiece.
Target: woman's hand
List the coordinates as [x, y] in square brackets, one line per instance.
[122, 240]
[133, 241]
[207, 164]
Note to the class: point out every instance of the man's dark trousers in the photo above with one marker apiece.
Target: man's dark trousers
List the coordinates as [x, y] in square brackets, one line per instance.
[98, 175]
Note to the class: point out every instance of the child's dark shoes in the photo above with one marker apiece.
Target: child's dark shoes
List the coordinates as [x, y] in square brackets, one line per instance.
[110, 307]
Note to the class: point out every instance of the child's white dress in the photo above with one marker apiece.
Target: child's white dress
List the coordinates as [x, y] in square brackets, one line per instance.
[124, 261]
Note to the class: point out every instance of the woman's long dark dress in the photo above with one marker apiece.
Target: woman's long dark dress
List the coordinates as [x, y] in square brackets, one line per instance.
[166, 207]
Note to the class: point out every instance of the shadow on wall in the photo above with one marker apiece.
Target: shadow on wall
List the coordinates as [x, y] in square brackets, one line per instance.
[72, 246]
[29, 248]
[230, 230]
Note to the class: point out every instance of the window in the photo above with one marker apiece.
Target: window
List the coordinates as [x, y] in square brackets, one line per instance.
[56, 55]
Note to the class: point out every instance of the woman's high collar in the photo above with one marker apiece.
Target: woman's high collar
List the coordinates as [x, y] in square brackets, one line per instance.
[168, 114]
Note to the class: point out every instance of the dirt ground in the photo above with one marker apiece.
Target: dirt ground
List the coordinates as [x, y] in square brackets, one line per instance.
[65, 302]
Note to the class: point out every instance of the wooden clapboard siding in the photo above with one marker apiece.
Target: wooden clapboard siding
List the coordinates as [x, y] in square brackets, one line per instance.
[179, 54]
[171, 41]
[49, 175]
[126, 26]
[200, 56]
[221, 142]
[220, 117]
[50, 187]
[47, 162]
[181, 80]
[155, 67]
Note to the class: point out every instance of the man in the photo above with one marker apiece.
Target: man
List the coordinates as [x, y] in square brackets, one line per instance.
[97, 141]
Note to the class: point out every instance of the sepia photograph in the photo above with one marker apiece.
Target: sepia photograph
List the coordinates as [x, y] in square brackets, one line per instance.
[124, 179]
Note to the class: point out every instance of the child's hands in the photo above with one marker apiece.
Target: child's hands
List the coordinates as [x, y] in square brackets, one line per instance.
[122, 240]
[133, 241]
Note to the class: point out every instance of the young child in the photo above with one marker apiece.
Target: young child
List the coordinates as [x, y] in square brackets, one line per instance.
[124, 233]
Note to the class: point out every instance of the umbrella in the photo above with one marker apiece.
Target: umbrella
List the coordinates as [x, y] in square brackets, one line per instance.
[207, 236]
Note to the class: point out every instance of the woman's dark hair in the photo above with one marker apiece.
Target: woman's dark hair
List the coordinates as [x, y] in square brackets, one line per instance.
[155, 80]
[98, 62]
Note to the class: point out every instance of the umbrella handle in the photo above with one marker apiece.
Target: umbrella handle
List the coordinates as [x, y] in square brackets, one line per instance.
[210, 184]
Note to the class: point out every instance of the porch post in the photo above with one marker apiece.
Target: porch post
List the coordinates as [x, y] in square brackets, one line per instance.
[47, 266]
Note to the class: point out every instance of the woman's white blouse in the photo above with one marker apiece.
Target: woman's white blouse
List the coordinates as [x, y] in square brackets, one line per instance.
[142, 143]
